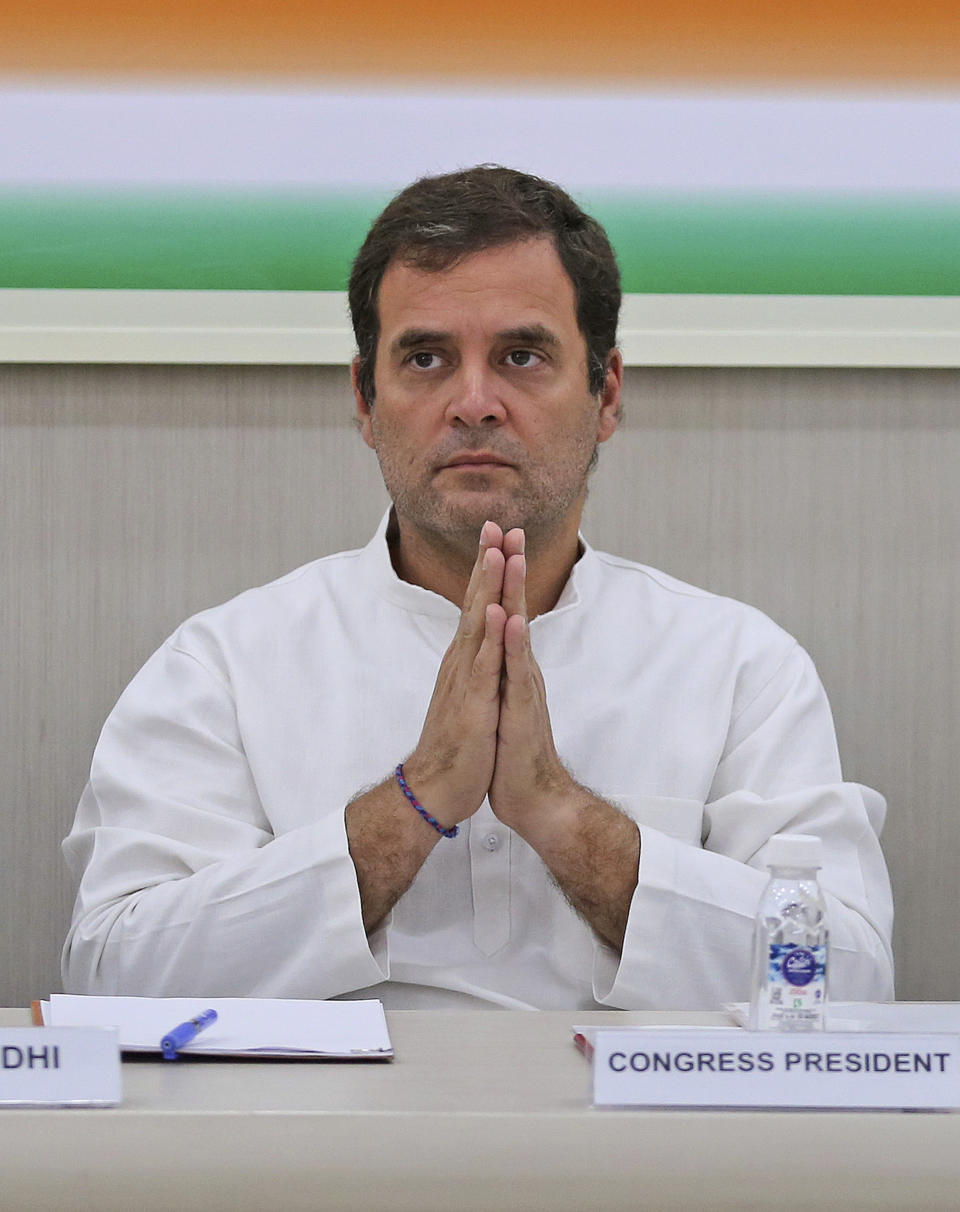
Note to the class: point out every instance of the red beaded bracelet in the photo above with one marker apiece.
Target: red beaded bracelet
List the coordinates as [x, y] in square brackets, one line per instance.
[431, 820]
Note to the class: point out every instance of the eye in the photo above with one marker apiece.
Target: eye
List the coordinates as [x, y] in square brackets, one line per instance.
[424, 360]
[523, 357]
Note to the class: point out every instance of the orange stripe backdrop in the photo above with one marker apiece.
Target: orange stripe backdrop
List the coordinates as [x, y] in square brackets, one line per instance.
[619, 42]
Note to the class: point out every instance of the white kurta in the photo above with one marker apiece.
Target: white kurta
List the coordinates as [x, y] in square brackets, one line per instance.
[210, 843]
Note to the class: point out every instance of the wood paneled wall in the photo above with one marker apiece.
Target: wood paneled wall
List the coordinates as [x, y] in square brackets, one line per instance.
[133, 496]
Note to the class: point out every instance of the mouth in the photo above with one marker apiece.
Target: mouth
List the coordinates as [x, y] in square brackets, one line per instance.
[477, 460]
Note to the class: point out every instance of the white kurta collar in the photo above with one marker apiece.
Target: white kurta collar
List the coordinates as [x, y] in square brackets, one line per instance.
[380, 575]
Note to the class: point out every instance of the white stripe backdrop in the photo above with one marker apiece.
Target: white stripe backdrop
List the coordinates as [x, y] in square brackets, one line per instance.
[778, 142]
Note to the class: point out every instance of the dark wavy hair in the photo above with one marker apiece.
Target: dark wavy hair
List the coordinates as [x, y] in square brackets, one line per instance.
[437, 221]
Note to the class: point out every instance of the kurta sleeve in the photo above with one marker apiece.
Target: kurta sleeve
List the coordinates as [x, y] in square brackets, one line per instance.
[184, 886]
[689, 934]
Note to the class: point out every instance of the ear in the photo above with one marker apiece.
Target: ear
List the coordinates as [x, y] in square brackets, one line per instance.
[610, 397]
[364, 411]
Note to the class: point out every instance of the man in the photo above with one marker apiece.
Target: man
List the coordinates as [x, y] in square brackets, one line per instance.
[476, 762]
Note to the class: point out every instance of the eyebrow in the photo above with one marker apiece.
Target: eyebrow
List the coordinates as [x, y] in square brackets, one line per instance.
[530, 334]
[526, 334]
[410, 338]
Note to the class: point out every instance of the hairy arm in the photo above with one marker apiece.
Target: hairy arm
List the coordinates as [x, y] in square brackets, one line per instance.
[590, 848]
[450, 769]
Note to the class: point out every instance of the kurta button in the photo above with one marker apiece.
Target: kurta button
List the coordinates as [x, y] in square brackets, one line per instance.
[492, 841]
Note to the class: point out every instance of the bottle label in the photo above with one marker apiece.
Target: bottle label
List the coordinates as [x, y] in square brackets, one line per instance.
[798, 965]
[796, 985]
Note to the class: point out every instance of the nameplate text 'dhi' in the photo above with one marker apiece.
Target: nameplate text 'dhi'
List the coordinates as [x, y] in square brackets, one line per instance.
[649, 1067]
[59, 1067]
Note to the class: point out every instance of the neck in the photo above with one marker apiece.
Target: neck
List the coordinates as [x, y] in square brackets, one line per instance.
[443, 563]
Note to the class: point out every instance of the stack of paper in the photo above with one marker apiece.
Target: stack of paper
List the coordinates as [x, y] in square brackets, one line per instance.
[252, 1026]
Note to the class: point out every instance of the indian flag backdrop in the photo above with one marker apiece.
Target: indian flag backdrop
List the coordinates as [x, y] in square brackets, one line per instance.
[742, 148]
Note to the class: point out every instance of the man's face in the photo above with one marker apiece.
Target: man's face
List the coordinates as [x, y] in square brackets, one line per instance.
[482, 408]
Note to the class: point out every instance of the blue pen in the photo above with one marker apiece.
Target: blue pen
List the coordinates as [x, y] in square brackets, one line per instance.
[185, 1033]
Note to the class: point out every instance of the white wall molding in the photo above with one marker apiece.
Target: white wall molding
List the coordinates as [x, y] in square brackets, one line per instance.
[303, 328]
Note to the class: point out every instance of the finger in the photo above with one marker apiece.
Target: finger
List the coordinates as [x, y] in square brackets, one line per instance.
[518, 690]
[520, 665]
[487, 590]
[514, 595]
[514, 542]
[488, 663]
[491, 536]
[516, 647]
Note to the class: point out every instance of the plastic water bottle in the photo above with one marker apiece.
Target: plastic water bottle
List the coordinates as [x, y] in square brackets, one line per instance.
[791, 939]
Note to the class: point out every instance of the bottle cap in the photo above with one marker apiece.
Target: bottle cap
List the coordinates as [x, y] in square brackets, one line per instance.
[794, 850]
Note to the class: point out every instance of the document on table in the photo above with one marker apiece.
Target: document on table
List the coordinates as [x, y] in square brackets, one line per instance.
[245, 1026]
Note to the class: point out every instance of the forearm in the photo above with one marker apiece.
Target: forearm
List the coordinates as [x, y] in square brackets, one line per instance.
[450, 770]
[389, 843]
[592, 850]
[188, 882]
[280, 918]
[689, 939]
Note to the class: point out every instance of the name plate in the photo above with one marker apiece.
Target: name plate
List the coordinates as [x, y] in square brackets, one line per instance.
[59, 1067]
[724, 1068]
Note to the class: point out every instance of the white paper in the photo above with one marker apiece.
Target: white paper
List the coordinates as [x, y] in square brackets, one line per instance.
[258, 1026]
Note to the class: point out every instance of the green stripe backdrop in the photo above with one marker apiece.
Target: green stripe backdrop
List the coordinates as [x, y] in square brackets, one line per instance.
[686, 244]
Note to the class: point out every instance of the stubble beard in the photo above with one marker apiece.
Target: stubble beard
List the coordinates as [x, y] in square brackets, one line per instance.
[449, 518]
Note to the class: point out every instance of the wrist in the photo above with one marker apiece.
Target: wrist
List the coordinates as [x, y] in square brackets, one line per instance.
[436, 791]
[548, 812]
[430, 819]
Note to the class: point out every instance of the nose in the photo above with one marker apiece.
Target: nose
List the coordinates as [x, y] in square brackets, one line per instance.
[475, 399]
